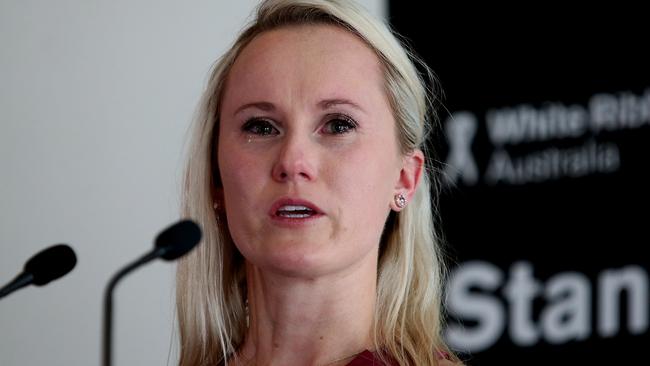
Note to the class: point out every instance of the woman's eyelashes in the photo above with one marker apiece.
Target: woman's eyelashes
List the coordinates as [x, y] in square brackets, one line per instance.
[337, 124]
[260, 127]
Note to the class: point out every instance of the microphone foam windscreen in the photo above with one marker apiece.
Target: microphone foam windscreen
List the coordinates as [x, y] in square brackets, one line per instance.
[178, 239]
[51, 264]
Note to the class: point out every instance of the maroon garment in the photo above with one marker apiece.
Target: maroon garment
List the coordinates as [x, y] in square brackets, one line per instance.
[368, 358]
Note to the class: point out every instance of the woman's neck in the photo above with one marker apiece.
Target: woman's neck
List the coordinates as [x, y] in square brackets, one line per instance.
[295, 321]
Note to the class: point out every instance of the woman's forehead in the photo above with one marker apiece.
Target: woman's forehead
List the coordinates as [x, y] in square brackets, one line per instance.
[304, 60]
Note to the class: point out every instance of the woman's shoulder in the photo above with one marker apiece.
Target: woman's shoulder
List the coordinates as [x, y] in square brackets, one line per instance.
[444, 359]
[446, 362]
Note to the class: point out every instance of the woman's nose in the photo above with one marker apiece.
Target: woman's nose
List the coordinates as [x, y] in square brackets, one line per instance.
[295, 160]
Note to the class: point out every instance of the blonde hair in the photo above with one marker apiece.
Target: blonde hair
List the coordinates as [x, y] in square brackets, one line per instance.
[211, 285]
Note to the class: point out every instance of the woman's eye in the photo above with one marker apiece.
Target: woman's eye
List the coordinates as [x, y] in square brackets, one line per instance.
[340, 125]
[260, 127]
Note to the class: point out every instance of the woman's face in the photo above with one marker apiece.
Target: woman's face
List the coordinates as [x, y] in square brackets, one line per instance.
[308, 153]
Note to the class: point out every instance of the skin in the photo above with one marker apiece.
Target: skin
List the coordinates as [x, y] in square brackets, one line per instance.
[304, 115]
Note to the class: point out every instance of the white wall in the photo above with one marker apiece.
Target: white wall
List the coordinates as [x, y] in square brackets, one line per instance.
[95, 100]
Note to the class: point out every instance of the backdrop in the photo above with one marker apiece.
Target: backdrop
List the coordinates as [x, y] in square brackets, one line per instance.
[546, 120]
[95, 100]
[546, 136]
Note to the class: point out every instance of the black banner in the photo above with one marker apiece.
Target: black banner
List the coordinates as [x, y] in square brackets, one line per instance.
[545, 148]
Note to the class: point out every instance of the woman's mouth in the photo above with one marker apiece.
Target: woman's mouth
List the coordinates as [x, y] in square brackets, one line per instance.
[294, 211]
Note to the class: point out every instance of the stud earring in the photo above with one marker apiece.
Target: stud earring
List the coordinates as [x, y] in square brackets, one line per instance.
[400, 200]
[215, 205]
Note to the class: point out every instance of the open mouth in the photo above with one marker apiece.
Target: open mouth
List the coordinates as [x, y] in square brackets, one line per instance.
[294, 211]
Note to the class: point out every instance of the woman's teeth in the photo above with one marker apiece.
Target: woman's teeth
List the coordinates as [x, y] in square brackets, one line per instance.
[292, 211]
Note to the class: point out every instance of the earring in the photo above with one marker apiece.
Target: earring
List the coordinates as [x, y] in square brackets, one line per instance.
[215, 205]
[400, 200]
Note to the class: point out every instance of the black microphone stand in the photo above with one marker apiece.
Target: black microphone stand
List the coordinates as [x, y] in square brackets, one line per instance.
[20, 281]
[171, 244]
[108, 302]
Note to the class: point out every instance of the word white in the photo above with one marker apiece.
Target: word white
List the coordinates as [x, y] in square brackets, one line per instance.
[605, 112]
[565, 316]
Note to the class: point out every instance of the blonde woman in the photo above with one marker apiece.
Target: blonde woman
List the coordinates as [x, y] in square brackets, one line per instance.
[308, 175]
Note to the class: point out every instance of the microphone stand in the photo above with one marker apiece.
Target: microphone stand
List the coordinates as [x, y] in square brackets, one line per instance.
[20, 281]
[108, 302]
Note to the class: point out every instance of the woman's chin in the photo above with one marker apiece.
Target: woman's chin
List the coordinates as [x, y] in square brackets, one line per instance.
[302, 260]
[297, 262]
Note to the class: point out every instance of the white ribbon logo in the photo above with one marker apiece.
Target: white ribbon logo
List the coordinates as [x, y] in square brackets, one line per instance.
[461, 129]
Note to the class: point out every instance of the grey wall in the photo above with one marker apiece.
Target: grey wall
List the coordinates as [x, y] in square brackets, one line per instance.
[95, 101]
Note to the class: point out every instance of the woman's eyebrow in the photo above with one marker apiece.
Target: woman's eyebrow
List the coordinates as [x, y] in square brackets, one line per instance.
[323, 104]
[265, 106]
[328, 103]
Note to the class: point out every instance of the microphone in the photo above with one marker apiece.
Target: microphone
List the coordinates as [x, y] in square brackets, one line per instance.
[172, 243]
[46, 266]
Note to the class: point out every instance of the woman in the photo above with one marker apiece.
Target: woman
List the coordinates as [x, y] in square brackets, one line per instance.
[308, 175]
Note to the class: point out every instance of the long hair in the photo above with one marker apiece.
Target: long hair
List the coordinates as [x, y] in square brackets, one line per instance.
[211, 285]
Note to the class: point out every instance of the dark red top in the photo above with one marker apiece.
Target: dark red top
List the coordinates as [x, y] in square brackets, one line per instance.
[368, 358]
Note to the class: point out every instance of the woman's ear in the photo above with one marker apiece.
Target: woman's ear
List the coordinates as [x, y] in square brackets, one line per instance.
[217, 198]
[216, 193]
[409, 178]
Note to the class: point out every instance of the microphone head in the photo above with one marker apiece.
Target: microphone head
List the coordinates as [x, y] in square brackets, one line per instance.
[51, 263]
[178, 239]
